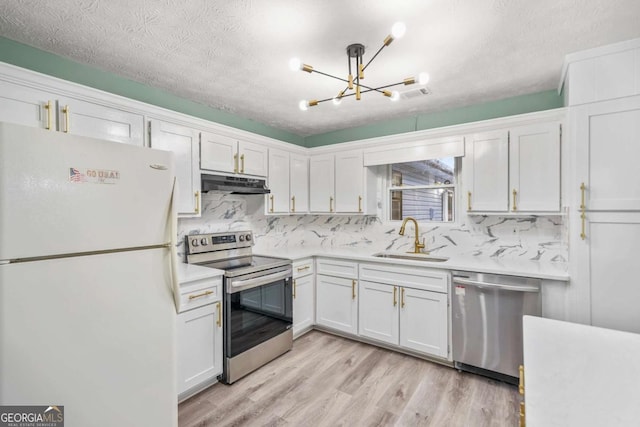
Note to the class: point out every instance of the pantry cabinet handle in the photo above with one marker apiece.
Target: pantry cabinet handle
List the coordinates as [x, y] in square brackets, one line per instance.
[294, 288]
[515, 193]
[468, 200]
[235, 163]
[197, 196]
[523, 422]
[583, 208]
[204, 294]
[271, 198]
[521, 380]
[395, 300]
[359, 203]
[65, 110]
[353, 289]
[330, 203]
[49, 109]
[401, 297]
[242, 163]
[293, 203]
[219, 321]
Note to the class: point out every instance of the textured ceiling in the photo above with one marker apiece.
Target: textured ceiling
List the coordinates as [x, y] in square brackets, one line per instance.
[233, 55]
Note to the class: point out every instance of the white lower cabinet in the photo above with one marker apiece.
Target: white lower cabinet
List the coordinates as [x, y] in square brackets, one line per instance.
[378, 318]
[303, 296]
[337, 303]
[423, 321]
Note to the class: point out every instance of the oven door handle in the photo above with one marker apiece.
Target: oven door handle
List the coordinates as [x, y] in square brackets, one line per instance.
[259, 281]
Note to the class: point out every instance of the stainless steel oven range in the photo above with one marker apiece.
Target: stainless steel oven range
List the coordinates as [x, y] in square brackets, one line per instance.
[258, 300]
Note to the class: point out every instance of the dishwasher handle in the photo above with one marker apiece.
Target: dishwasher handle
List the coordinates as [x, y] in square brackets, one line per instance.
[458, 280]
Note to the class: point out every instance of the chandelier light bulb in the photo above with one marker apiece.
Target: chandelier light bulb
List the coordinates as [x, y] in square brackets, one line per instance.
[303, 105]
[423, 78]
[395, 95]
[336, 101]
[398, 30]
[294, 64]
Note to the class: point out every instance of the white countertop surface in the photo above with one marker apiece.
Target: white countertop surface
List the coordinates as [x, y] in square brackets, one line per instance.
[513, 267]
[191, 272]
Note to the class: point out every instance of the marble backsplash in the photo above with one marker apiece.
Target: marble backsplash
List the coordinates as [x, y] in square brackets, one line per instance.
[531, 237]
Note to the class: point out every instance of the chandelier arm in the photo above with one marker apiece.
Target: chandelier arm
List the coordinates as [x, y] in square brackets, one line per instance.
[374, 57]
[339, 78]
[377, 89]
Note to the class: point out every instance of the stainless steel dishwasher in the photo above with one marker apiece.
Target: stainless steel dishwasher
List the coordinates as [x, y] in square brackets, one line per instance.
[487, 312]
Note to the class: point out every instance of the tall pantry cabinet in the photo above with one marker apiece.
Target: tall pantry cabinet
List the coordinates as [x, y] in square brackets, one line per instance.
[602, 90]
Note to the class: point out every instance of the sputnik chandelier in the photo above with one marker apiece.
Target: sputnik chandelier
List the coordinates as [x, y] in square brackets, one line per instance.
[354, 54]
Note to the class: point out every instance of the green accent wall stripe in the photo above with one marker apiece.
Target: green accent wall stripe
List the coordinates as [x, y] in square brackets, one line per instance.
[43, 62]
[490, 110]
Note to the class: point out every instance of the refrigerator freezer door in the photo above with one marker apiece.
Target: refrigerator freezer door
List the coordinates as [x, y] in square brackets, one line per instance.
[93, 333]
[62, 194]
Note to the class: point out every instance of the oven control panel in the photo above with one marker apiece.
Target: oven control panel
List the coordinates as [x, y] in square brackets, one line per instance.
[199, 243]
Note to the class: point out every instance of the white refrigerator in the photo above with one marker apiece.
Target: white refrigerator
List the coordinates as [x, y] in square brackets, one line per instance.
[87, 314]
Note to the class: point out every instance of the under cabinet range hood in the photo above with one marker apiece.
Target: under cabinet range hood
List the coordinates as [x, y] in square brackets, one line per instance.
[233, 184]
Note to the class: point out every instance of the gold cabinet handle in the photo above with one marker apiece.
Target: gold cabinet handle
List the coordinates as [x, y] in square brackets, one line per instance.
[521, 380]
[515, 193]
[395, 300]
[219, 321]
[235, 163]
[583, 208]
[65, 110]
[49, 109]
[468, 200]
[293, 203]
[204, 294]
[271, 199]
[353, 289]
[359, 203]
[197, 196]
[523, 422]
[401, 297]
[306, 267]
[330, 203]
[294, 288]
[242, 163]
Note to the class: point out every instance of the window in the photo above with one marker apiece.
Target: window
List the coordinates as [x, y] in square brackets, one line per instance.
[424, 190]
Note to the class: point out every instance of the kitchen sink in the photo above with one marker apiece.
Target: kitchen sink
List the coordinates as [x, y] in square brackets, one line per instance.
[411, 256]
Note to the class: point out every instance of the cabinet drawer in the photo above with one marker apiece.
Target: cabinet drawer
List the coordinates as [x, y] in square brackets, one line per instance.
[303, 268]
[333, 267]
[200, 292]
[418, 278]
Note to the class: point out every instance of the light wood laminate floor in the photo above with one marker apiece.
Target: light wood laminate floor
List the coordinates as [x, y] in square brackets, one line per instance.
[327, 380]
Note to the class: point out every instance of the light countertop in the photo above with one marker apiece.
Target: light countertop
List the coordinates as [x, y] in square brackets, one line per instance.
[191, 272]
[513, 267]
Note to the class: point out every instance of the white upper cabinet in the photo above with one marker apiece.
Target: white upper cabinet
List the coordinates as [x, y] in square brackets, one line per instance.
[183, 143]
[515, 170]
[349, 189]
[486, 169]
[534, 168]
[224, 154]
[278, 199]
[322, 183]
[31, 107]
[299, 183]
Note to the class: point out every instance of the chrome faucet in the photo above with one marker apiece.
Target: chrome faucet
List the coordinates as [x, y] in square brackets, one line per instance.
[418, 245]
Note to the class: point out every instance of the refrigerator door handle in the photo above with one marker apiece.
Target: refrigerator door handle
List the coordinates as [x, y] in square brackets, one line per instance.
[457, 280]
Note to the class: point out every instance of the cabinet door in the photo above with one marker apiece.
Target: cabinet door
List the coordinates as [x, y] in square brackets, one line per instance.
[299, 183]
[218, 153]
[350, 182]
[26, 106]
[99, 121]
[378, 316]
[337, 303]
[303, 303]
[278, 199]
[534, 168]
[423, 321]
[607, 138]
[253, 158]
[183, 143]
[321, 184]
[486, 171]
[199, 339]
